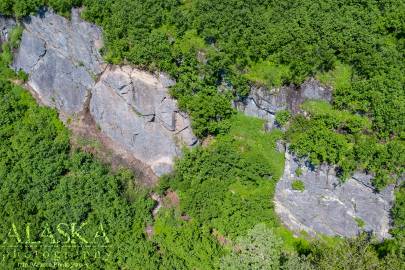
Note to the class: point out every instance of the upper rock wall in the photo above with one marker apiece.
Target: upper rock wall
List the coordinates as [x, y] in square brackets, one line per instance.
[61, 58]
[130, 106]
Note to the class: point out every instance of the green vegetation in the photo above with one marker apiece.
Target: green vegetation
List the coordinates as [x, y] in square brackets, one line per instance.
[269, 74]
[338, 137]
[230, 178]
[298, 185]
[15, 37]
[282, 117]
[203, 44]
[43, 184]
[359, 222]
[339, 77]
[351, 254]
[259, 249]
[298, 171]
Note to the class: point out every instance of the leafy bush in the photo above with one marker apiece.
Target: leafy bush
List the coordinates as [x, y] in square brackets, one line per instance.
[43, 184]
[282, 117]
[259, 249]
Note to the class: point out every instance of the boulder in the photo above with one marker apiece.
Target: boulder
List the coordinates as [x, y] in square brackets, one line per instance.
[130, 106]
[329, 206]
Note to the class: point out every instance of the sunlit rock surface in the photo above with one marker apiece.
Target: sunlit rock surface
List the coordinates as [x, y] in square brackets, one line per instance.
[327, 205]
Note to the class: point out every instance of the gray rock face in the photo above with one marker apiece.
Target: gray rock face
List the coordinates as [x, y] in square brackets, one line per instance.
[61, 58]
[6, 24]
[134, 108]
[130, 106]
[330, 207]
[264, 103]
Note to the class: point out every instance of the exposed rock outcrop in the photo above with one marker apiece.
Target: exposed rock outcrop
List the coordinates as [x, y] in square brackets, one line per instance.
[134, 108]
[328, 206]
[130, 106]
[61, 58]
[265, 103]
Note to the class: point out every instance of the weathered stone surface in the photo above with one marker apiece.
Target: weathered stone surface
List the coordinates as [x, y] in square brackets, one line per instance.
[61, 58]
[75, 40]
[328, 206]
[147, 129]
[33, 48]
[6, 24]
[265, 103]
[130, 106]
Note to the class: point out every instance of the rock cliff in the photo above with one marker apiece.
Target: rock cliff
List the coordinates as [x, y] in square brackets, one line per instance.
[130, 106]
[134, 110]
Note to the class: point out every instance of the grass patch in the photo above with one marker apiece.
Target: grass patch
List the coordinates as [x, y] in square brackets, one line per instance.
[359, 222]
[339, 77]
[84, 142]
[191, 42]
[298, 185]
[15, 36]
[269, 74]
[322, 109]
[298, 171]
[257, 145]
